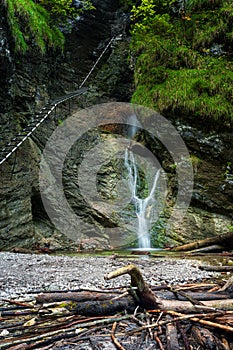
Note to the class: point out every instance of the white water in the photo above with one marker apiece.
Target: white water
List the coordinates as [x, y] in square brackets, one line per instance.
[133, 126]
[143, 206]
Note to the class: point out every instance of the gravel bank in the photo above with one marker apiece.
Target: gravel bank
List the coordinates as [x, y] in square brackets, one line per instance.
[22, 273]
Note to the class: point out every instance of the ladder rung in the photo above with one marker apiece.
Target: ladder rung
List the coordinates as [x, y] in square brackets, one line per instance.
[3, 154]
[9, 145]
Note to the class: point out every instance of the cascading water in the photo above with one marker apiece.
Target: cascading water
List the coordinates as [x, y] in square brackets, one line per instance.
[142, 206]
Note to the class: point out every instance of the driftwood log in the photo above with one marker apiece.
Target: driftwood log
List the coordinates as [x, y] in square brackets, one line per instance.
[81, 296]
[217, 268]
[225, 240]
[139, 294]
[139, 289]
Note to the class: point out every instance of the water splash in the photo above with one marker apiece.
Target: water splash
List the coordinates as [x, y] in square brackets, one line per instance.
[143, 206]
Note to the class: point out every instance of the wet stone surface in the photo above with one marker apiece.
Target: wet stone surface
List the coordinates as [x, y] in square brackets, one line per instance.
[21, 274]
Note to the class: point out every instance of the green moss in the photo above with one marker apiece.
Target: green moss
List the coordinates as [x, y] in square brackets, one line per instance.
[199, 92]
[158, 234]
[70, 305]
[35, 23]
[177, 69]
[29, 21]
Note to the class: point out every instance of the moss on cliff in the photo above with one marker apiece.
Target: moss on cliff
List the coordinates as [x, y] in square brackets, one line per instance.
[30, 21]
[35, 23]
[183, 58]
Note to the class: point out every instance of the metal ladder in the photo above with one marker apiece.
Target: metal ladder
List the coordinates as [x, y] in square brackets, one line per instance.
[44, 113]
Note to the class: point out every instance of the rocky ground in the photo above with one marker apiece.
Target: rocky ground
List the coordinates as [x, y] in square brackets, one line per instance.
[23, 276]
[25, 273]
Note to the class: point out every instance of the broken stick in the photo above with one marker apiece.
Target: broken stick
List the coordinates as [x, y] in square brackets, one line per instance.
[139, 289]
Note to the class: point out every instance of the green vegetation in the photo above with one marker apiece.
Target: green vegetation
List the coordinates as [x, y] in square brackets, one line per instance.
[35, 22]
[62, 10]
[158, 234]
[183, 54]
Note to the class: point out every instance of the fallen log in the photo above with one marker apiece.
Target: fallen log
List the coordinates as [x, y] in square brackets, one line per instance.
[97, 296]
[216, 268]
[178, 295]
[171, 335]
[224, 239]
[209, 249]
[109, 307]
[89, 308]
[73, 296]
[188, 307]
[129, 304]
[207, 339]
[145, 297]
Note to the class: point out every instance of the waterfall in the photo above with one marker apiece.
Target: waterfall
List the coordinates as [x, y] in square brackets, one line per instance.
[133, 126]
[143, 206]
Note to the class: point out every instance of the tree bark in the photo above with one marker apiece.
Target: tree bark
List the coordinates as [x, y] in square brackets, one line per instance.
[171, 336]
[74, 296]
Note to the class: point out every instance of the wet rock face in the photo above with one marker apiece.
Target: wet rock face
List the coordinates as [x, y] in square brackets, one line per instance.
[26, 84]
[211, 155]
[17, 176]
[211, 208]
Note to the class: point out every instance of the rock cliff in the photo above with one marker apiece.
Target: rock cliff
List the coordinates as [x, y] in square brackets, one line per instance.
[28, 82]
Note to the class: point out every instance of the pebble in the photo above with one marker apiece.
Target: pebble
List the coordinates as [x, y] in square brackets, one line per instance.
[28, 273]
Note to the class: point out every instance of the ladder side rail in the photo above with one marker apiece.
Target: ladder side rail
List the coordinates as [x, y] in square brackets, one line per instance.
[53, 105]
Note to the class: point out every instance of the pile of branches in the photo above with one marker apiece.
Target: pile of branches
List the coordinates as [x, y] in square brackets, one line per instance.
[190, 316]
